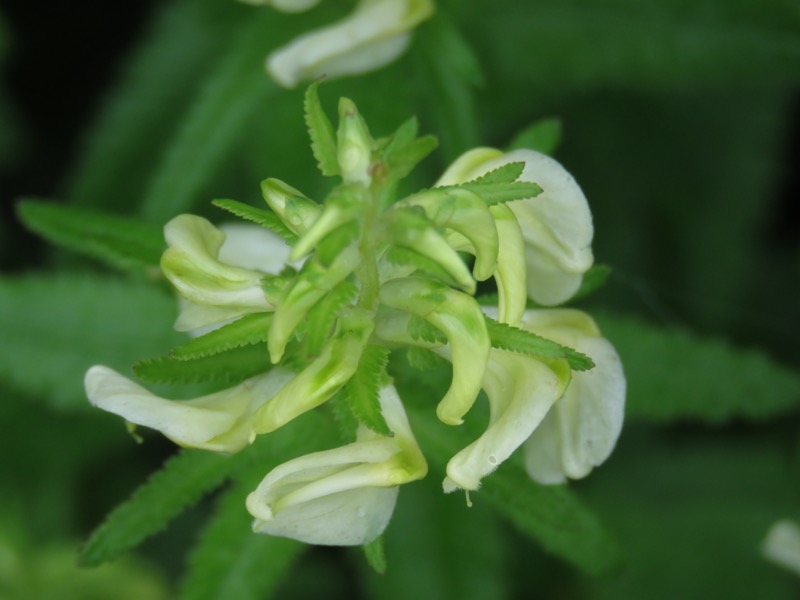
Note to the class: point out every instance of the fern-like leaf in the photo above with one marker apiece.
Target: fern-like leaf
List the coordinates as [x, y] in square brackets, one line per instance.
[231, 366]
[518, 340]
[323, 138]
[265, 218]
[364, 386]
[250, 329]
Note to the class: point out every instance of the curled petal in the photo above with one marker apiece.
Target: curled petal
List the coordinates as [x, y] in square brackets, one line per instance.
[219, 421]
[582, 429]
[461, 320]
[521, 391]
[322, 378]
[373, 36]
[193, 265]
[343, 496]
[556, 224]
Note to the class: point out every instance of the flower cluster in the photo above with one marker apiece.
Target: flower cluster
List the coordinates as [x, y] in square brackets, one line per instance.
[375, 34]
[366, 274]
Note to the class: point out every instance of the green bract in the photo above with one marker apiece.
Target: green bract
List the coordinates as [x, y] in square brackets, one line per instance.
[368, 274]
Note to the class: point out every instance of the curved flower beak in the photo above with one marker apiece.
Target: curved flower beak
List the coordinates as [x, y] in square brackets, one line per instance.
[521, 391]
[220, 276]
[556, 225]
[581, 430]
[345, 496]
[218, 422]
[373, 36]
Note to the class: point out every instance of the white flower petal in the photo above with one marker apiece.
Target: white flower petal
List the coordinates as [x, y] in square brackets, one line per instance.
[343, 496]
[218, 422]
[521, 391]
[250, 246]
[782, 545]
[583, 426]
[374, 35]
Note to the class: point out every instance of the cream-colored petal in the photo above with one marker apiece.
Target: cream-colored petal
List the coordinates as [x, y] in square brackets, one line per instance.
[343, 496]
[218, 421]
[782, 545]
[374, 35]
[583, 426]
[521, 390]
[250, 246]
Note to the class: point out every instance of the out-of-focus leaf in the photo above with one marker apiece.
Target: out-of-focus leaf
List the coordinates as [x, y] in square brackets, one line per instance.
[146, 107]
[437, 547]
[543, 136]
[554, 44]
[673, 375]
[451, 72]
[55, 327]
[676, 500]
[552, 515]
[375, 555]
[120, 242]
[185, 479]
[230, 561]
[234, 90]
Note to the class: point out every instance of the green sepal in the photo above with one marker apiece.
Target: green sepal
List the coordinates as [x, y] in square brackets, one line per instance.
[398, 255]
[121, 242]
[314, 281]
[322, 317]
[265, 218]
[513, 339]
[295, 210]
[375, 555]
[543, 136]
[405, 150]
[508, 173]
[410, 228]
[248, 330]
[499, 193]
[320, 130]
[231, 366]
[362, 390]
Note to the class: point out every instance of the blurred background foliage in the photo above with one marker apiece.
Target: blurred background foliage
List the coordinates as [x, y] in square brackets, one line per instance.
[680, 120]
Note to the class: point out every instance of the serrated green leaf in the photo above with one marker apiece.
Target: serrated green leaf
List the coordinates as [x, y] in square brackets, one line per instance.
[423, 359]
[233, 93]
[231, 366]
[403, 136]
[322, 317]
[123, 243]
[184, 479]
[406, 256]
[518, 340]
[543, 136]
[230, 561]
[320, 129]
[551, 515]
[248, 330]
[55, 327]
[673, 375]
[420, 329]
[375, 555]
[497, 193]
[362, 390]
[402, 160]
[508, 173]
[265, 218]
[346, 421]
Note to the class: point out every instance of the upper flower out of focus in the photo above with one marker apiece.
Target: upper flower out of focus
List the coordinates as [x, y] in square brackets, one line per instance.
[375, 34]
